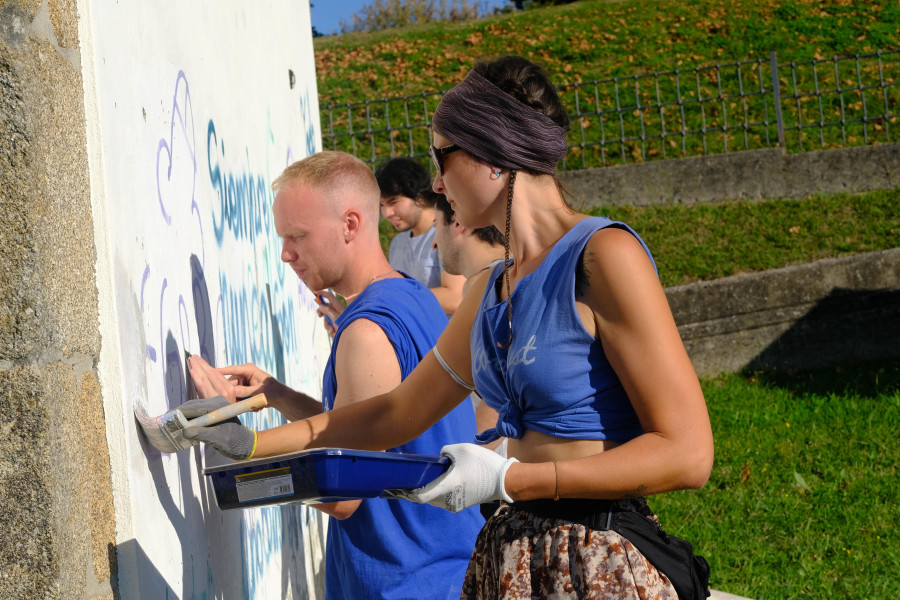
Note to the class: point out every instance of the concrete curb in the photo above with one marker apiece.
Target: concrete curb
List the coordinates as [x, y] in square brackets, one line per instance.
[740, 175]
[800, 316]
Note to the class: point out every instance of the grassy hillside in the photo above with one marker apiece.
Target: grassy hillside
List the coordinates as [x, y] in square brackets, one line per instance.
[802, 499]
[704, 242]
[596, 39]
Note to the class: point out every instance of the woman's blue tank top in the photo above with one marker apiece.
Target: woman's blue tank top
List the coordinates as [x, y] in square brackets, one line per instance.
[554, 377]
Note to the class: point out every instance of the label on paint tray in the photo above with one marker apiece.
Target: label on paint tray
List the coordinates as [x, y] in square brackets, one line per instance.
[264, 484]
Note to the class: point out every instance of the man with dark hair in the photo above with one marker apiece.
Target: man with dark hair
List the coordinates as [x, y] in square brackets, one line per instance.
[463, 250]
[412, 249]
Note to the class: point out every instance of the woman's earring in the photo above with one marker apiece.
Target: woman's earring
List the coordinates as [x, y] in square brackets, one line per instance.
[496, 172]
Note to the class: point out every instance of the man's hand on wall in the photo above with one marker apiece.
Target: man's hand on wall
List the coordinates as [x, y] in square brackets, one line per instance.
[233, 382]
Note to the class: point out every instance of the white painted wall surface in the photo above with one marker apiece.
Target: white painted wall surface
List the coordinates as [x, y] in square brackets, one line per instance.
[192, 111]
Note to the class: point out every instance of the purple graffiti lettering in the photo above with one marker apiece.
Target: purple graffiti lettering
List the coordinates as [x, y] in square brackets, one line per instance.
[149, 350]
[144, 278]
[182, 113]
[196, 210]
[183, 322]
[162, 295]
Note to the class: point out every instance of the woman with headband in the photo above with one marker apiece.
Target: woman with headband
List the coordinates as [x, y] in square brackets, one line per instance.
[571, 341]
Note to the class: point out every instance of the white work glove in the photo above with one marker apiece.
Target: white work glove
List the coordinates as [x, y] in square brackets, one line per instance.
[476, 475]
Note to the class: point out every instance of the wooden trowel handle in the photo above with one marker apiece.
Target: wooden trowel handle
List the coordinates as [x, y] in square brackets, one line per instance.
[232, 410]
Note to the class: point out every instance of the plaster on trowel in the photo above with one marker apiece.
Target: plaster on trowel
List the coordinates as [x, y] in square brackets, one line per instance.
[165, 432]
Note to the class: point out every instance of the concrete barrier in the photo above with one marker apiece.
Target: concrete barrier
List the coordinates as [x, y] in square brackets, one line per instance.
[808, 315]
[747, 175]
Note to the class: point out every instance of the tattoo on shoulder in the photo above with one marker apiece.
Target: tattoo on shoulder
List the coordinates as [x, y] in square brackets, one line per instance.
[638, 492]
[582, 274]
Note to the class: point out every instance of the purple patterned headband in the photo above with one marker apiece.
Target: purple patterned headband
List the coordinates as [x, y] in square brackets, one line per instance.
[498, 129]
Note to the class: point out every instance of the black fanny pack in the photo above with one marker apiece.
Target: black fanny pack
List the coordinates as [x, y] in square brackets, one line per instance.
[672, 556]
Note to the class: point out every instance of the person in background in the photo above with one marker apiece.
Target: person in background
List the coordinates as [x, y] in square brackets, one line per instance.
[326, 212]
[468, 252]
[573, 343]
[463, 250]
[412, 252]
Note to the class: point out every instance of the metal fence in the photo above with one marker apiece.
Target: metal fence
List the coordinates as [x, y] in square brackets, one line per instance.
[802, 106]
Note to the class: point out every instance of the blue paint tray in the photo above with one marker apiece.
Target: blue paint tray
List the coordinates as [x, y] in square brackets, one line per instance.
[321, 475]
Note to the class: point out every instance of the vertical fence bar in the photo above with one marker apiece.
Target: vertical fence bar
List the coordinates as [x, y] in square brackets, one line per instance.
[426, 112]
[600, 117]
[582, 137]
[640, 112]
[776, 98]
[662, 116]
[818, 95]
[388, 129]
[745, 116]
[621, 121]
[683, 116]
[840, 94]
[795, 94]
[409, 128]
[331, 127]
[699, 89]
[761, 80]
[370, 133]
[884, 95]
[862, 96]
[718, 71]
[350, 128]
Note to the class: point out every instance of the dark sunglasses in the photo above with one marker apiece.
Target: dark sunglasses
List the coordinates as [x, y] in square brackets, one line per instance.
[438, 154]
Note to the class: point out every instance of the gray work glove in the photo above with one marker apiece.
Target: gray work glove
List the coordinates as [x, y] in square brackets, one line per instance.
[476, 475]
[230, 437]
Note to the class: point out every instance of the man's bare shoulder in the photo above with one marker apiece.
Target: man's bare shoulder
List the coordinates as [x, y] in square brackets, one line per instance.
[366, 363]
[362, 330]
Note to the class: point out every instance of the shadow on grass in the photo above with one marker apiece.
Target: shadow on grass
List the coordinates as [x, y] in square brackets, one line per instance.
[849, 343]
[866, 380]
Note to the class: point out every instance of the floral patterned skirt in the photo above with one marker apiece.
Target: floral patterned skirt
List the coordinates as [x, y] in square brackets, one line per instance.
[520, 556]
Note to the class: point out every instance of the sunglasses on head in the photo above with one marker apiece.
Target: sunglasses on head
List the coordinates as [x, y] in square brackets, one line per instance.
[438, 154]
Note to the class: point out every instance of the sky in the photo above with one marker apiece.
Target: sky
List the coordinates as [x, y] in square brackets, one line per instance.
[327, 14]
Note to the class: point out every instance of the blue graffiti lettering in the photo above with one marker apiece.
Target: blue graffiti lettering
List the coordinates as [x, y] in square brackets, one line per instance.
[256, 329]
[244, 197]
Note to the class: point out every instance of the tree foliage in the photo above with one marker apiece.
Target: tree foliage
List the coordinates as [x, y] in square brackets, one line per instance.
[386, 14]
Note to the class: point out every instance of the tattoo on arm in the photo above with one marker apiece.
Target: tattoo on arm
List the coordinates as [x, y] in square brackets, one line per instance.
[582, 275]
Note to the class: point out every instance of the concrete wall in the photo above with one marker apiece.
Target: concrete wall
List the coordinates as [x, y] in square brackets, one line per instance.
[139, 141]
[828, 312]
[751, 175]
[57, 523]
[803, 316]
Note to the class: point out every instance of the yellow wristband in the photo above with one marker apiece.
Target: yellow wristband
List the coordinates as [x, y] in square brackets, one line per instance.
[252, 450]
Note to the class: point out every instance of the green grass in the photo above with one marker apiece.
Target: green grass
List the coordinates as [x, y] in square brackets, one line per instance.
[802, 501]
[706, 241]
[703, 242]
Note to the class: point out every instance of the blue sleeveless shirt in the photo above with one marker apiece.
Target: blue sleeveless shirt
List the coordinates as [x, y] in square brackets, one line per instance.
[554, 378]
[397, 548]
